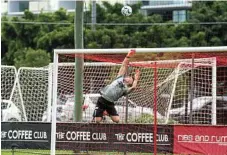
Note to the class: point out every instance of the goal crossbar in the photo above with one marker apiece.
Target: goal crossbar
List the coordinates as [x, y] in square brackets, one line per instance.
[142, 50]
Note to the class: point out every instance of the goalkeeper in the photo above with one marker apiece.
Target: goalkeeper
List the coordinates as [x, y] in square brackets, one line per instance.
[121, 86]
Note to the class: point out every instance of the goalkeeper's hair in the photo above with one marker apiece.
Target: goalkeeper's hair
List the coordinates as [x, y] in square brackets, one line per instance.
[130, 85]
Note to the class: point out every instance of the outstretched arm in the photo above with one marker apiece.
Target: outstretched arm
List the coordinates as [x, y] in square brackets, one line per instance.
[136, 79]
[125, 63]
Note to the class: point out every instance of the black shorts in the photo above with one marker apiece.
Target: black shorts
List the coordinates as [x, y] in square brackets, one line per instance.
[102, 105]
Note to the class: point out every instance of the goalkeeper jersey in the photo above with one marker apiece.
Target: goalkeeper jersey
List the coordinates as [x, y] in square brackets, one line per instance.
[115, 90]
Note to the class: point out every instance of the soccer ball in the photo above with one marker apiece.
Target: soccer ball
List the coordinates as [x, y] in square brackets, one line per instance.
[126, 10]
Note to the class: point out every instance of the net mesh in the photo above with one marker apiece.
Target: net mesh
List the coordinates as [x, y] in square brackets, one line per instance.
[182, 79]
[11, 104]
[30, 92]
[24, 93]
[173, 87]
[34, 83]
[7, 81]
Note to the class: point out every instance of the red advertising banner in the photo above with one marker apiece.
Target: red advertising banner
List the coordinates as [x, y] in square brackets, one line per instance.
[200, 140]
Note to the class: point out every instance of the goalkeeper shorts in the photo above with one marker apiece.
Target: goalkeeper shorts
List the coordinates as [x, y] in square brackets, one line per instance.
[102, 105]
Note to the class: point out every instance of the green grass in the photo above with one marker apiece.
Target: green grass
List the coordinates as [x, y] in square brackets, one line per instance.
[62, 152]
[35, 152]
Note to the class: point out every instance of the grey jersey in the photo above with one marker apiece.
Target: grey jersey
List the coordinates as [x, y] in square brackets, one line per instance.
[115, 90]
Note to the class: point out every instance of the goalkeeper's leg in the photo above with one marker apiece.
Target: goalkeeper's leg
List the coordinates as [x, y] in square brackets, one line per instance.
[111, 110]
[97, 115]
[98, 112]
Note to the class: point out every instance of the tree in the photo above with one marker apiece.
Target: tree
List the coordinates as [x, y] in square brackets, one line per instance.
[198, 39]
[18, 36]
[48, 36]
[31, 58]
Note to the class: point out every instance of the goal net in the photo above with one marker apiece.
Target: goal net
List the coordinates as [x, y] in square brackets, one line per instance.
[173, 90]
[35, 88]
[26, 93]
[12, 106]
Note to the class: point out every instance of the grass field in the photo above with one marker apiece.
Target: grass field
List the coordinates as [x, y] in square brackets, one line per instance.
[30, 152]
[46, 152]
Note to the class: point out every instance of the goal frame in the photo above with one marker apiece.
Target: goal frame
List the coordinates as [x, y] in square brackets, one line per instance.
[58, 52]
[50, 78]
[16, 85]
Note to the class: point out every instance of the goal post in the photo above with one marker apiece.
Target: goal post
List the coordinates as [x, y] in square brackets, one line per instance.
[214, 92]
[173, 81]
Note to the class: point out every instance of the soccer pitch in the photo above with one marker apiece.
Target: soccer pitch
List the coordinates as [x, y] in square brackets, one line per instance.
[31, 151]
[61, 152]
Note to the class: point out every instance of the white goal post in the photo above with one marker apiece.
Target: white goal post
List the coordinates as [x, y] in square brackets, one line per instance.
[209, 65]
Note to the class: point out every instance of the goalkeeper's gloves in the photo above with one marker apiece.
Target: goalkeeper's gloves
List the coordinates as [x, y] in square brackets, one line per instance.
[130, 53]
